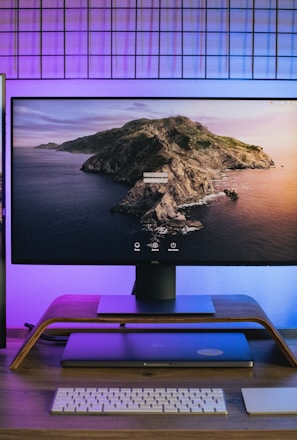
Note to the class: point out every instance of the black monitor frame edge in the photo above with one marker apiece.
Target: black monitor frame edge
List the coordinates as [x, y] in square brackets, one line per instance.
[2, 250]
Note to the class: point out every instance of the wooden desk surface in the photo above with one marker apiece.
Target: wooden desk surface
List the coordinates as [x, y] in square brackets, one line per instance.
[26, 395]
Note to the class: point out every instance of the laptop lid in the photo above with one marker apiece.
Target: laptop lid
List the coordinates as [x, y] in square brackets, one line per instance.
[157, 349]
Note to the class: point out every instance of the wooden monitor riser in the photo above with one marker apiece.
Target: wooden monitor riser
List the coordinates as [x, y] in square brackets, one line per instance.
[83, 309]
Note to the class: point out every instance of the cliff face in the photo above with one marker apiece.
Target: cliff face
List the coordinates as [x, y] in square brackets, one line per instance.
[187, 151]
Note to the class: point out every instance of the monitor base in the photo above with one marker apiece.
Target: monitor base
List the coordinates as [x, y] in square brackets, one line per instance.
[131, 305]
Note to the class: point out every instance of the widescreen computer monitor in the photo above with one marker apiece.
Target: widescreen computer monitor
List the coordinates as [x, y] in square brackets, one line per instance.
[155, 183]
[2, 222]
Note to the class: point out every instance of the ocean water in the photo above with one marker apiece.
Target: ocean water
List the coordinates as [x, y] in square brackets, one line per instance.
[62, 215]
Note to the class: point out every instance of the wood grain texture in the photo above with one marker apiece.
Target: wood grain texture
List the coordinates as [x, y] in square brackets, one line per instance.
[83, 309]
[26, 395]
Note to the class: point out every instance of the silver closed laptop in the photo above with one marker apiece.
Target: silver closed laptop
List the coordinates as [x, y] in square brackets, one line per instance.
[157, 349]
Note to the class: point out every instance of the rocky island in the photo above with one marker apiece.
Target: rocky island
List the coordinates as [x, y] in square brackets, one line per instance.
[185, 151]
[48, 146]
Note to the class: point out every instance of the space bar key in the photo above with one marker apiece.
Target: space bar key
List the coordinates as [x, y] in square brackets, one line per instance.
[132, 409]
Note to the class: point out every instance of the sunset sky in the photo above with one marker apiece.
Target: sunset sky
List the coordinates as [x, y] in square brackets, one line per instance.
[270, 124]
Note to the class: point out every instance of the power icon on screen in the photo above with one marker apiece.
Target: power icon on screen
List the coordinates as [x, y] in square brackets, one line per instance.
[137, 246]
[173, 247]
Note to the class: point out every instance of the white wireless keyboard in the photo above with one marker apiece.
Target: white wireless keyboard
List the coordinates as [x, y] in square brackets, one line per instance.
[139, 401]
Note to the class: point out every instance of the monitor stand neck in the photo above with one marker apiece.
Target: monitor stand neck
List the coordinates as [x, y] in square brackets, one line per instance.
[154, 293]
[155, 282]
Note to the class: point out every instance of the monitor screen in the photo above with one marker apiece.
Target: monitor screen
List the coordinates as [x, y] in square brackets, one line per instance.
[154, 181]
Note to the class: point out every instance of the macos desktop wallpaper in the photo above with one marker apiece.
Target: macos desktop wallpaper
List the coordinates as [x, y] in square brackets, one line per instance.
[221, 185]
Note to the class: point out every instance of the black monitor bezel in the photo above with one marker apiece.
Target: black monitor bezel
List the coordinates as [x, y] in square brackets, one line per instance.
[3, 248]
[134, 262]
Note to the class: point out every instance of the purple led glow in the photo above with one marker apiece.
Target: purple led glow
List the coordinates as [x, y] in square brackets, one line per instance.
[30, 289]
[54, 41]
[118, 34]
